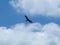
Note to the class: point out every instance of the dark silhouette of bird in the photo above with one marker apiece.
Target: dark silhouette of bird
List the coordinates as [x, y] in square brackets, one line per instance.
[27, 19]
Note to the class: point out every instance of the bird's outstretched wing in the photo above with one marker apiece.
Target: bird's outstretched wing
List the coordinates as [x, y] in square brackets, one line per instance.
[28, 19]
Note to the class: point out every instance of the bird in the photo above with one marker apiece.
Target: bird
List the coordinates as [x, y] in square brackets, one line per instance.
[27, 19]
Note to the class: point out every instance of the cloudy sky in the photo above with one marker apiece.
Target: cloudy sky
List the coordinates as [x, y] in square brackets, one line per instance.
[45, 29]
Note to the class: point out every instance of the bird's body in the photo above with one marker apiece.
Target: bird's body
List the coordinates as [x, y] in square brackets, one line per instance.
[28, 19]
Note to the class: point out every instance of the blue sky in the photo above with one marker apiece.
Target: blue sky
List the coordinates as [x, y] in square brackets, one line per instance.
[9, 16]
[45, 29]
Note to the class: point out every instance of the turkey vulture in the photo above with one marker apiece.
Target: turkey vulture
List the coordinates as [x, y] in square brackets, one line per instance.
[28, 19]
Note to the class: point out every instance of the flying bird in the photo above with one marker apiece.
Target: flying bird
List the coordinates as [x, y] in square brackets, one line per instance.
[27, 19]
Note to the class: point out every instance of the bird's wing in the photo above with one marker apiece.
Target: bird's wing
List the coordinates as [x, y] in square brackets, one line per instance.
[26, 17]
[30, 21]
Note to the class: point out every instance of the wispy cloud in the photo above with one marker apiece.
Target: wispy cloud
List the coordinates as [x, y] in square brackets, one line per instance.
[38, 7]
[22, 34]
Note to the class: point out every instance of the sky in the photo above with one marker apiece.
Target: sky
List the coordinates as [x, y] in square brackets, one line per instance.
[9, 16]
[45, 29]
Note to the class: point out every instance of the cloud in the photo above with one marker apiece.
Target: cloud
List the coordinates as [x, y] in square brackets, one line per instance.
[30, 34]
[50, 8]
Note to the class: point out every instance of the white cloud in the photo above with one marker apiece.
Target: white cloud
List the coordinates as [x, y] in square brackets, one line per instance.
[38, 7]
[22, 34]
